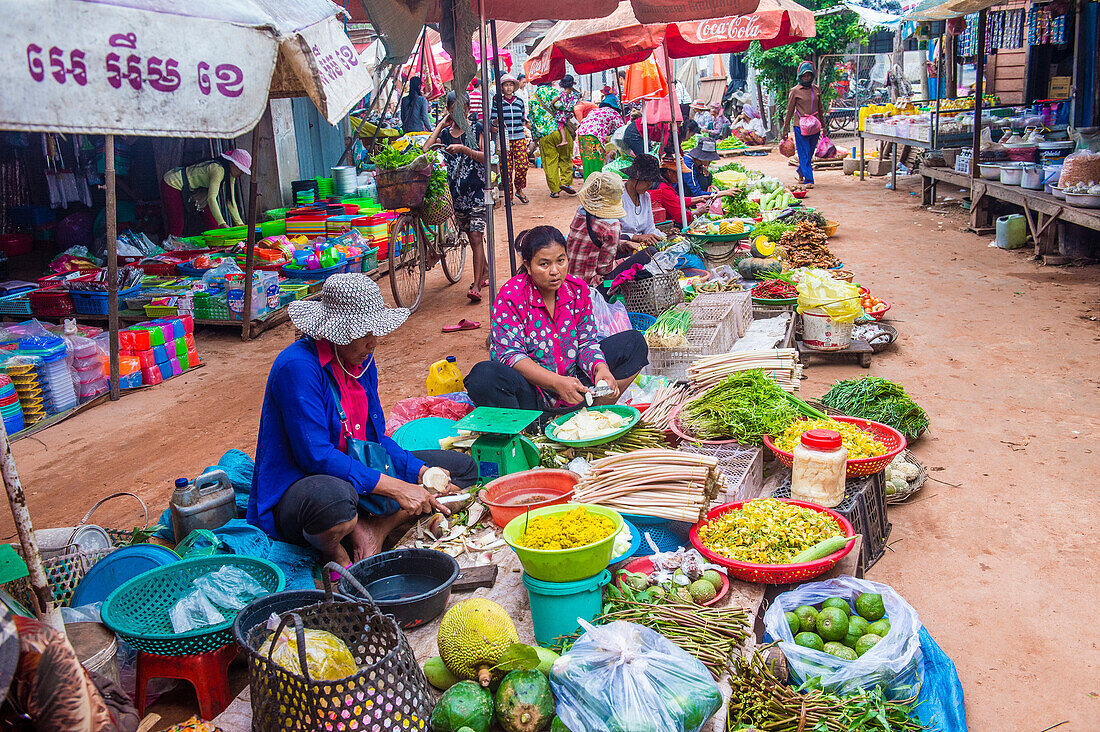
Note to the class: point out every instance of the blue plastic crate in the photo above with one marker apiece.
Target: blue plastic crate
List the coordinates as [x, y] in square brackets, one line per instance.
[667, 535]
[18, 304]
[315, 274]
[92, 302]
[641, 321]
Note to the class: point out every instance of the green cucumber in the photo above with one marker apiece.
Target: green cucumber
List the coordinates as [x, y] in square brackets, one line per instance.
[822, 549]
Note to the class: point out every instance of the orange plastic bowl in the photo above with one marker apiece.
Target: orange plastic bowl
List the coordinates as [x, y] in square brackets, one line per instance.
[891, 439]
[773, 574]
[799, 194]
[512, 495]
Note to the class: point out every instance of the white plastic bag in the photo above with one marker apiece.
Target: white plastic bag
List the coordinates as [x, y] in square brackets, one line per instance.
[623, 677]
[894, 663]
[610, 318]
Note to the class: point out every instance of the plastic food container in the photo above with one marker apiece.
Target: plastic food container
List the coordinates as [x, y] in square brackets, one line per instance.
[564, 565]
[818, 474]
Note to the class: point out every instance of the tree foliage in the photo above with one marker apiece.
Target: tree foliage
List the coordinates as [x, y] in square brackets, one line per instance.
[777, 66]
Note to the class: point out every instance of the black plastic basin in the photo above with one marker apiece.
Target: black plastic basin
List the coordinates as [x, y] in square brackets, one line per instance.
[412, 585]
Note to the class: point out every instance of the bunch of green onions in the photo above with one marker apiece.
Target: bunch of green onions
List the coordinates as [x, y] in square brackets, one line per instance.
[670, 329]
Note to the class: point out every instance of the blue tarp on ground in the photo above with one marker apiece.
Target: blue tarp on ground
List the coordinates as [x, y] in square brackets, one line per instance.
[240, 537]
[941, 695]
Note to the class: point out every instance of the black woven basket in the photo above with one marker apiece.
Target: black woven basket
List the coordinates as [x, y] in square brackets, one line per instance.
[389, 692]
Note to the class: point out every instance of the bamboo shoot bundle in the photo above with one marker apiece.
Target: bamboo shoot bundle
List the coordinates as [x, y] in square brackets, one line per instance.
[665, 400]
[666, 484]
[780, 363]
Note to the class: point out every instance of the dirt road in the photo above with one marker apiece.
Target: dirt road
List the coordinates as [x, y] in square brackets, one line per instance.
[999, 554]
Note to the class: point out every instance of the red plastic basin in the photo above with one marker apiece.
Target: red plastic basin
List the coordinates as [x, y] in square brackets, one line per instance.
[511, 495]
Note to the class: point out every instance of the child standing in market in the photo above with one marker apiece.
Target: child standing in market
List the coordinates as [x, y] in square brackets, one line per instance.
[466, 178]
[804, 107]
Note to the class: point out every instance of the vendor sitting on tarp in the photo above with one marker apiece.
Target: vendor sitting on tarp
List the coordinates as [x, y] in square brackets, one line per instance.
[204, 181]
[325, 470]
[544, 352]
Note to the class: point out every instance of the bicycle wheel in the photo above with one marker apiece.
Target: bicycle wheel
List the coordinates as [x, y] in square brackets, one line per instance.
[451, 245]
[406, 262]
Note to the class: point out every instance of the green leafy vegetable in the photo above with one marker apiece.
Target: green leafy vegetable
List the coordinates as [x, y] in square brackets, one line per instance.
[739, 205]
[390, 158]
[744, 407]
[772, 229]
[879, 400]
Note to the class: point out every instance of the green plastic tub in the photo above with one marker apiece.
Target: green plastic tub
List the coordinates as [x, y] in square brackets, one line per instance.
[273, 228]
[565, 565]
[557, 606]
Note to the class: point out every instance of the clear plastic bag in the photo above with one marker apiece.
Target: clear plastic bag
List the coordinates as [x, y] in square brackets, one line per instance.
[895, 663]
[610, 318]
[623, 677]
[818, 289]
[327, 657]
[1080, 167]
[228, 589]
[406, 410]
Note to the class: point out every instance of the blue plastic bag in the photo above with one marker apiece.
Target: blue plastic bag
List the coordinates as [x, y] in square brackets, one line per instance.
[895, 663]
[941, 704]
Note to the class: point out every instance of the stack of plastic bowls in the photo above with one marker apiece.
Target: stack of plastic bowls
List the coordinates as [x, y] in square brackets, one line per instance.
[10, 409]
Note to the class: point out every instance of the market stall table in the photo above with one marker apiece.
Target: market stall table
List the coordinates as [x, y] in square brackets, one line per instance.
[942, 140]
[1041, 209]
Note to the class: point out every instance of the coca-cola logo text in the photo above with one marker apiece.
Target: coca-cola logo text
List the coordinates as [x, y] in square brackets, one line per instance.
[740, 28]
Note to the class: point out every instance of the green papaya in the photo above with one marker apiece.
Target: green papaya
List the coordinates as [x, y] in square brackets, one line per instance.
[465, 704]
[438, 674]
[524, 702]
[546, 659]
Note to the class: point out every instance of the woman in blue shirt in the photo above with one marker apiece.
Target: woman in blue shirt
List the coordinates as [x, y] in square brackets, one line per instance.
[323, 390]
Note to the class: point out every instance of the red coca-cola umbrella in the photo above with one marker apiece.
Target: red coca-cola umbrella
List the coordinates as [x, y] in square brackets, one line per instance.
[620, 39]
[647, 11]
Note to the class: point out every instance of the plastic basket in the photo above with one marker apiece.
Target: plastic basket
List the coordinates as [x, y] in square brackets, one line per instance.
[891, 439]
[740, 303]
[864, 506]
[741, 467]
[211, 307]
[15, 304]
[388, 691]
[161, 311]
[370, 259]
[641, 321]
[92, 302]
[138, 610]
[666, 534]
[315, 274]
[776, 574]
[51, 303]
[653, 295]
[704, 340]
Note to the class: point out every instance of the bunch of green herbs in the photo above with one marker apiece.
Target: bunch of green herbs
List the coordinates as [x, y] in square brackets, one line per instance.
[390, 158]
[879, 400]
[744, 407]
[739, 205]
[437, 184]
[772, 229]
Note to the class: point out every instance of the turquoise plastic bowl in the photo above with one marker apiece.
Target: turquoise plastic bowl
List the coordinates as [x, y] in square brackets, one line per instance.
[557, 607]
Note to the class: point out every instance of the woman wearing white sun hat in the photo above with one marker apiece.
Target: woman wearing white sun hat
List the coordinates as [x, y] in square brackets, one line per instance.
[325, 470]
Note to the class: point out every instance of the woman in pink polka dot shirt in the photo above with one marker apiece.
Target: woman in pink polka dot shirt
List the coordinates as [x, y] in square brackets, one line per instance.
[544, 351]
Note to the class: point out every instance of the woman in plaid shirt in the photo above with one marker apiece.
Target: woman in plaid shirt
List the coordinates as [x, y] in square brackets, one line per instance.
[595, 246]
[544, 349]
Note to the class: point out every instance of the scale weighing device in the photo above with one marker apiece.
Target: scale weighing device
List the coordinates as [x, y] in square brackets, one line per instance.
[499, 448]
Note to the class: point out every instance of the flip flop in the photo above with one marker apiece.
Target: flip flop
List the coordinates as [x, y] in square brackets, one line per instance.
[474, 295]
[485, 283]
[554, 195]
[462, 325]
[522, 198]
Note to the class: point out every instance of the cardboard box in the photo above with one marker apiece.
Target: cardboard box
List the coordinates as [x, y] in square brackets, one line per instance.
[1059, 87]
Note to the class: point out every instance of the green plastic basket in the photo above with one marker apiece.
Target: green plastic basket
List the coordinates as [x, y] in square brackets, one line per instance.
[138, 611]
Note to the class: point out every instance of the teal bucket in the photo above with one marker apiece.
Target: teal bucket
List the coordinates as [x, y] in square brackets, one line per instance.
[556, 606]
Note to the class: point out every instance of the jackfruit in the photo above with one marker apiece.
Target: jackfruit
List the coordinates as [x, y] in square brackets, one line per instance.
[472, 637]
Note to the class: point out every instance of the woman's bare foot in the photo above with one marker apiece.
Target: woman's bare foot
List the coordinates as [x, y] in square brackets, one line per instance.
[370, 532]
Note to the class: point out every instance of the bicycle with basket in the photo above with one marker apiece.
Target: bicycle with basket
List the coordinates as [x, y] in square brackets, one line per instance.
[424, 232]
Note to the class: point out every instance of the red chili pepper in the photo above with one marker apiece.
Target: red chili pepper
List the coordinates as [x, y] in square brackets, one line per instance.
[774, 290]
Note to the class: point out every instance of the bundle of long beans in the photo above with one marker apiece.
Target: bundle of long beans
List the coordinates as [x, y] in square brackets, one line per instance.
[762, 702]
[667, 484]
[640, 437]
[664, 402]
[779, 363]
[713, 635]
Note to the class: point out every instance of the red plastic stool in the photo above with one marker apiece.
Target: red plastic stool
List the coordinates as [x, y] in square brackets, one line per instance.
[208, 673]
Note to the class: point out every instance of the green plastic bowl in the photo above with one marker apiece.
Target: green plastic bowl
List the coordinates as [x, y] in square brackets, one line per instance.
[632, 414]
[563, 565]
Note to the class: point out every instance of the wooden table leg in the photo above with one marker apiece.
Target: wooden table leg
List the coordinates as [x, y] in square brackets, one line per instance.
[894, 172]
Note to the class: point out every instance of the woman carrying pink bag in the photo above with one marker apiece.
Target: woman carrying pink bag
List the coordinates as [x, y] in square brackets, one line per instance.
[804, 104]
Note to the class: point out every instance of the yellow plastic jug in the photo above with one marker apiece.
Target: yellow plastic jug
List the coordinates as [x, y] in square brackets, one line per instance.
[444, 377]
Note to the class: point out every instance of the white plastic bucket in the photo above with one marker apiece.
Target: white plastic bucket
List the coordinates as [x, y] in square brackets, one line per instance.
[822, 333]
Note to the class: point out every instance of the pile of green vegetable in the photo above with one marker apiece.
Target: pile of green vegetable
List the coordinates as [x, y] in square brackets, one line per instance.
[437, 184]
[691, 142]
[730, 143]
[733, 165]
[390, 158]
[835, 629]
[713, 635]
[773, 229]
[762, 701]
[744, 407]
[739, 206]
[879, 400]
[670, 329]
[778, 200]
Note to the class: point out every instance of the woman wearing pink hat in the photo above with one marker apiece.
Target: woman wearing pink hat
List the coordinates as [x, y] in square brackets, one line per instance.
[203, 182]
